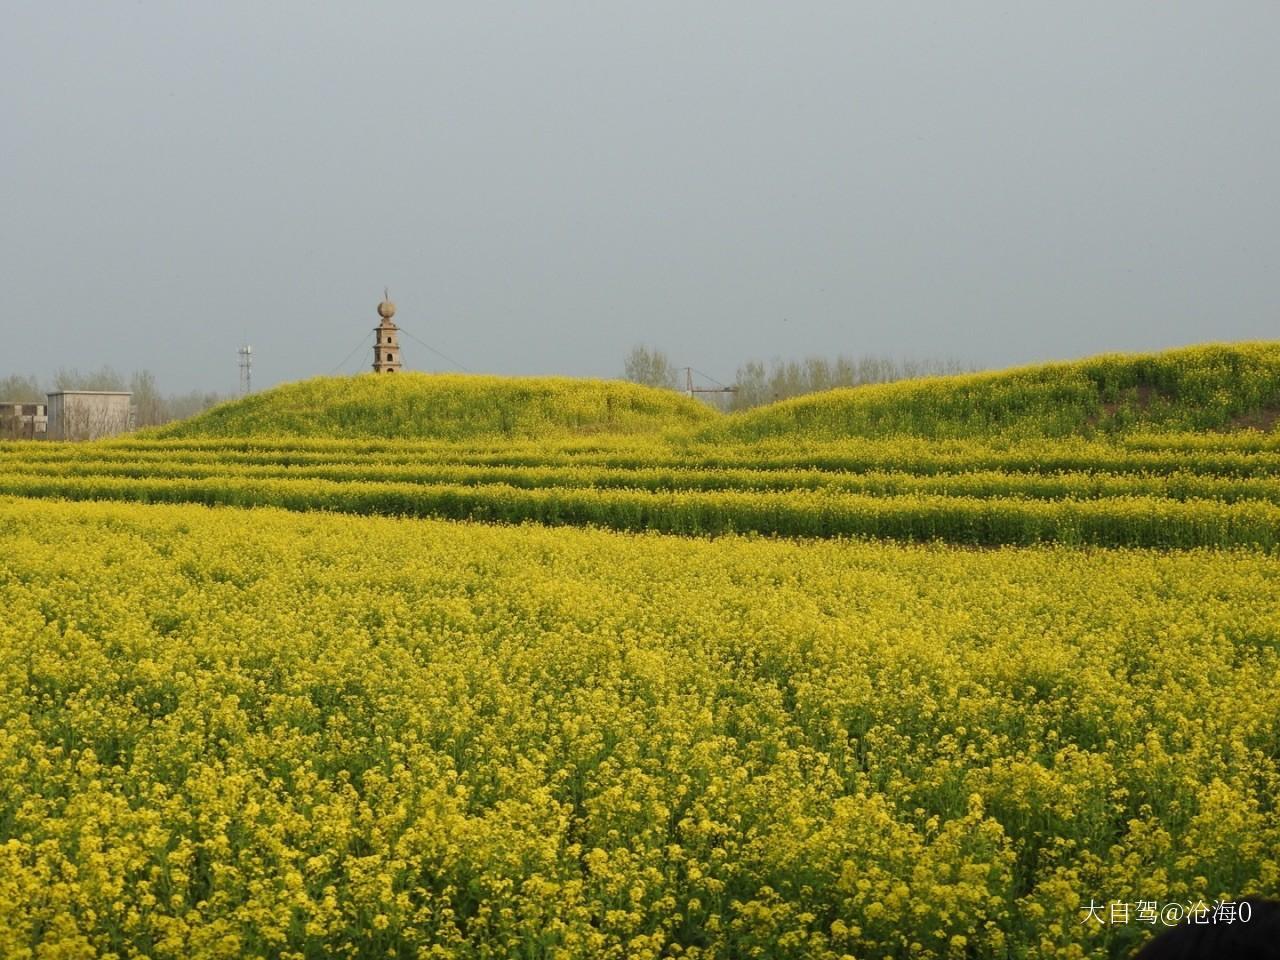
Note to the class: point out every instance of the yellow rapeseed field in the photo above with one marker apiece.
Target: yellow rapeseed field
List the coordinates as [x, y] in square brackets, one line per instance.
[937, 669]
[250, 732]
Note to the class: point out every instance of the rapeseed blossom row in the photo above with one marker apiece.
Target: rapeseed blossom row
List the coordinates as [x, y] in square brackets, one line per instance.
[1092, 484]
[984, 492]
[1250, 454]
[231, 733]
[1112, 521]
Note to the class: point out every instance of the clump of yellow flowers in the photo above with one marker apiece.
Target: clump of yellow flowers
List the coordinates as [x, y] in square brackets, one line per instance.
[230, 733]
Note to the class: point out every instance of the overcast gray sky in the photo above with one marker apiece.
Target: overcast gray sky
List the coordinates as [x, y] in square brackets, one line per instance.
[544, 184]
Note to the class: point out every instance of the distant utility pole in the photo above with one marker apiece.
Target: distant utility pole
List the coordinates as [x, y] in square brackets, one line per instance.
[690, 389]
[246, 369]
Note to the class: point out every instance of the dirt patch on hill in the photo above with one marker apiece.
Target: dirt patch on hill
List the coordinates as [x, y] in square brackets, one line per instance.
[1264, 419]
[1142, 398]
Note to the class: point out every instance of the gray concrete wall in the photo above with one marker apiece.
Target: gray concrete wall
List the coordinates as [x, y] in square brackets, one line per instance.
[88, 414]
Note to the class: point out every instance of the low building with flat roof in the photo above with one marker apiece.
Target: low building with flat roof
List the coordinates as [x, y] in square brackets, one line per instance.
[89, 414]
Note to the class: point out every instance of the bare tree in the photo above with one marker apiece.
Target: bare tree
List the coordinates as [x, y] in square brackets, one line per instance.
[148, 403]
[104, 378]
[16, 388]
[651, 367]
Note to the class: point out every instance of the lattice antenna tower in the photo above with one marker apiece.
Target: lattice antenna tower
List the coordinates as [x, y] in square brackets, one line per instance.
[246, 369]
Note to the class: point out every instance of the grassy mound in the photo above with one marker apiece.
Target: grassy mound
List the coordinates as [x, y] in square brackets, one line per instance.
[446, 406]
[1212, 387]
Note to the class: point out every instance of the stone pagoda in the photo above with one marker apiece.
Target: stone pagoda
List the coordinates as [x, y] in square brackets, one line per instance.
[386, 343]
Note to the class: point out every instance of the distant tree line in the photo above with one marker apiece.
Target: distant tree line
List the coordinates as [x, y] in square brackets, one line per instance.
[758, 383]
[151, 406]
